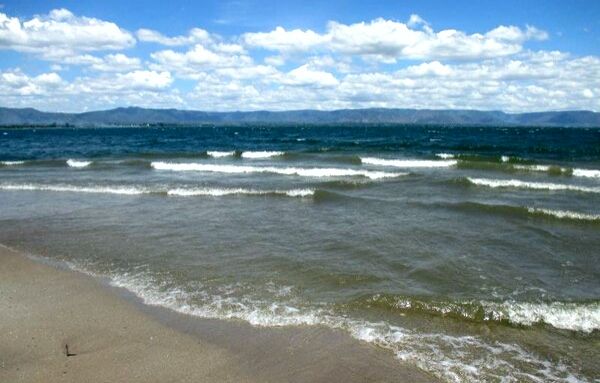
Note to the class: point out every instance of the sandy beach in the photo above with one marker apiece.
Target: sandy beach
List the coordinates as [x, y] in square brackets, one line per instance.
[111, 339]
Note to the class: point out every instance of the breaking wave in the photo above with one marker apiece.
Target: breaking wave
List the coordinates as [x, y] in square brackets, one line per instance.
[78, 164]
[408, 163]
[453, 358]
[498, 183]
[11, 163]
[564, 214]
[216, 192]
[291, 171]
[523, 211]
[581, 317]
[217, 154]
[138, 190]
[125, 190]
[261, 154]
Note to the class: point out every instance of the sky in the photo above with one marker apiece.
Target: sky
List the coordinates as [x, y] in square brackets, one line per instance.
[514, 56]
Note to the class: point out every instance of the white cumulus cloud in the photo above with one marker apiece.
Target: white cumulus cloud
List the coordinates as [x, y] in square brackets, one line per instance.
[389, 40]
[61, 33]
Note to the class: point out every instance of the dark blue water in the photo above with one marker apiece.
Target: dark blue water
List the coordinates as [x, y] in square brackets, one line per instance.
[470, 252]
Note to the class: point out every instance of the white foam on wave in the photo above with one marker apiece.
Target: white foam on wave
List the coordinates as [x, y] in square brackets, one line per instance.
[77, 189]
[536, 168]
[449, 357]
[445, 156]
[576, 172]
[137, 190]
[217, 192]
[567, 316]
[217, 154]
[591, 173]
[504, 158]
[291, 171]
[261, 154]
[565, 214]
[12, 163]
[408, 163]
[498, 183]
[78, 164]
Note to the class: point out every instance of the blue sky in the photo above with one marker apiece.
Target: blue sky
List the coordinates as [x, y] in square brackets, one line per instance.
[249, 55]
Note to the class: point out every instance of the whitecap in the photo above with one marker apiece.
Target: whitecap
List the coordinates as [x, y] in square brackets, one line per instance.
[291, 171]
[261, 154]
[592, 173]
[217, 154]
[408, 163]
[498, 183]
[565, 214]
[78, 164]
[218, 192]
[12, 163]
[125, 190]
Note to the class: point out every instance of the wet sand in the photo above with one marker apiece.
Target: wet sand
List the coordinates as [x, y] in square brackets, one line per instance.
[115, 338]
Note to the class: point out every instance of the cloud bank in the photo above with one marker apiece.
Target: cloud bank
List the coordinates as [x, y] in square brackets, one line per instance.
[85, 63]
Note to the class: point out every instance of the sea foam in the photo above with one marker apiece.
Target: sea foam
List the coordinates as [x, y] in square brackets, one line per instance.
[291, 171]
[408, 163]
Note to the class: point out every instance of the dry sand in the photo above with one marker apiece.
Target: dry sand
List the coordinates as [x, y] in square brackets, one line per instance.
[43, 309]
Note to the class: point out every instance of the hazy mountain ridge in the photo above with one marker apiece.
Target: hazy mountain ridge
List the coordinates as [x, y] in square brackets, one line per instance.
[141, 116]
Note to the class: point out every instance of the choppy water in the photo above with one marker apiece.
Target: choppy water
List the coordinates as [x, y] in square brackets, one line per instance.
[470, 252]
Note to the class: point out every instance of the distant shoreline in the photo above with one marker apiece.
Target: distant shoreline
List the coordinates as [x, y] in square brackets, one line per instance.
[134, 116]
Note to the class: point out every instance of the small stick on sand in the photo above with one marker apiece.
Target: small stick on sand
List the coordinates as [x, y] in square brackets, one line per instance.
[67, 353]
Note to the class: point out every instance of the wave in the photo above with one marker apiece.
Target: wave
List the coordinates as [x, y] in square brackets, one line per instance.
[520, 211]
[291, 171]
[125, 190]
[11, 163]
[445, 156]
[449, 357]
[137, 190]
[261, 154]
[514, 163]
[554, 169]
[216, 192]
[78, 164]
[498, 183]
[564, 214]
[579, 317]
[217, 154]
[408, 163]
[592, 173]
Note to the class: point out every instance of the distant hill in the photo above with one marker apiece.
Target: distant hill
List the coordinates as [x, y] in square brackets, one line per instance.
[142, 116]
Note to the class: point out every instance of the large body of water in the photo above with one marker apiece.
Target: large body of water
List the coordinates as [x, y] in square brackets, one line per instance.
[473, 253]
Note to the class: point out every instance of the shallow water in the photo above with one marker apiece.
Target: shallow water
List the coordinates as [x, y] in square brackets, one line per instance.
[470, 252]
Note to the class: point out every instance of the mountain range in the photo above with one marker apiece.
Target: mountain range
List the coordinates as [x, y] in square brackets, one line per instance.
[141, 116]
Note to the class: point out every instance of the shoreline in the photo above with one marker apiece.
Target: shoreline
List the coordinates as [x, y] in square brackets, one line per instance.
[115, 337]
